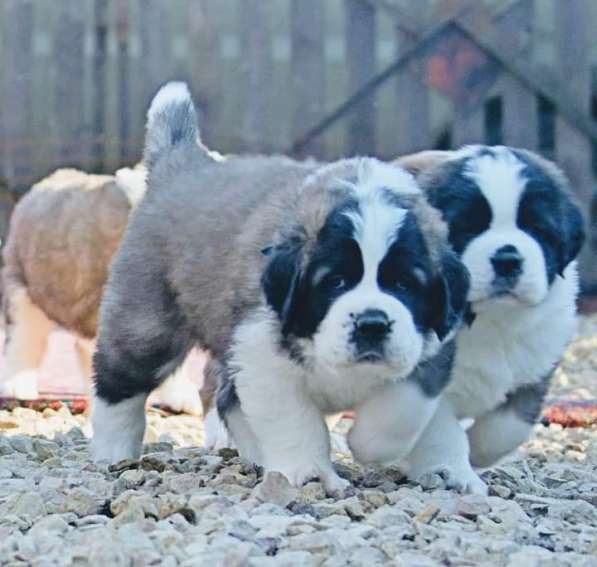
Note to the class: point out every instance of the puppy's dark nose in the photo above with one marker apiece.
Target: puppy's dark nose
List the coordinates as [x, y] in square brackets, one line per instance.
[372, 324]
[507, 262]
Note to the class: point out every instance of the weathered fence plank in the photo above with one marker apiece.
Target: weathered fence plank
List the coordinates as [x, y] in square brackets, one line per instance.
[100, 80]
[573, 149]
[308, 69]
[361, 61]
[123, 79]
[205, 64]
[155, 47]
[256, 71]
[520, 110]
[69, 49]
[15, 113]
[414, 111]
[468, 127]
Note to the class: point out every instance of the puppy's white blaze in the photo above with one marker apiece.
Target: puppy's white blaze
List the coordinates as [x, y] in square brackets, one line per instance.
[373, 174]
[118, 429]
[173, 92]
[499, 179]
[376, 226]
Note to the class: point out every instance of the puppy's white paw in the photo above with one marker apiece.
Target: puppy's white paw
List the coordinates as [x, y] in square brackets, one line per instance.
[179, 394]
[118, 429]
[299, 474]
[215, 434]
[22, 386]
[463, 480]
[334, 485]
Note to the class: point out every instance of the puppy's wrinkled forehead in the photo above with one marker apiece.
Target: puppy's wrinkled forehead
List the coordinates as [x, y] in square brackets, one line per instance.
[498, 174]
[378, 208]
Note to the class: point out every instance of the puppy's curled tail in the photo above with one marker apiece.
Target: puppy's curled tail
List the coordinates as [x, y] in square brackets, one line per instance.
[172, 124]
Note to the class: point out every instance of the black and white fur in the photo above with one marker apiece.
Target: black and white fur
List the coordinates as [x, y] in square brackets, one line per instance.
[518, 232]
[315, 288]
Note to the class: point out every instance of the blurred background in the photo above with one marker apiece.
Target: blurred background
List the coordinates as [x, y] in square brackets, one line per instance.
[322, 78]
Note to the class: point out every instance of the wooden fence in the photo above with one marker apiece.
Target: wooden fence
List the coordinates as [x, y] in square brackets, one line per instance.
[76, 77]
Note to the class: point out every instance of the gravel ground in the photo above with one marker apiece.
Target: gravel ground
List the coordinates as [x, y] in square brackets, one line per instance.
[182, 505]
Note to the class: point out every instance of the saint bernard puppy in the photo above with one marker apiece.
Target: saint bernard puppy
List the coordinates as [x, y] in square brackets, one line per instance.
[61, 239]
[513, 222]
[316, 289]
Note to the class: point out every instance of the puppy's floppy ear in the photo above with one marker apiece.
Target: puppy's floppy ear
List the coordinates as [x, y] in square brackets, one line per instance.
[574, 233]
[281, 278]
[422, 161]
[450, 293]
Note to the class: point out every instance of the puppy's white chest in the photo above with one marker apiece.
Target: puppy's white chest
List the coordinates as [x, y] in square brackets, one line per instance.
[503, 351]
[487, 366]
[336, 391]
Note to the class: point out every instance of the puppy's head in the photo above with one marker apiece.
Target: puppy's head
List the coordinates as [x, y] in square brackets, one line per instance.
[510, 218]
[365, 276]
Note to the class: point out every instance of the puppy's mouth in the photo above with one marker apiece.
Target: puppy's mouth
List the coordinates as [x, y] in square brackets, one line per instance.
[370, 356]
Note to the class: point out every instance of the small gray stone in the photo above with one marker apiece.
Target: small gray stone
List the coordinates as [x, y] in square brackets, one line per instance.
[53, 524]
[285, 559]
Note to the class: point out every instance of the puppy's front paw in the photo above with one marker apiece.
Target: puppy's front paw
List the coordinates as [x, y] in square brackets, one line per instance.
[298, 475]
[461, 480]
[334, 485]
[22, 386]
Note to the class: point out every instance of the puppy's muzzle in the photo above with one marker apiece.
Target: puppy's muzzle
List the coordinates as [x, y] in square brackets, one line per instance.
[507, 266]
[371, 329]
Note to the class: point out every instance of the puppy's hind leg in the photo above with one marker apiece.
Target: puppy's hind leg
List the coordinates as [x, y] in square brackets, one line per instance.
[27, 330]
[215, 432]
[142, 340]
[179, 393]
[84, 349]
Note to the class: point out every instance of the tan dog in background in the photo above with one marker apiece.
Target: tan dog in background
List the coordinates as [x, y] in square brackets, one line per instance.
[62, 236]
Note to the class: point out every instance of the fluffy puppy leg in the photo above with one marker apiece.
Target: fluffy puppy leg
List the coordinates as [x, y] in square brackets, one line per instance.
[26, 341]
[291, 432]
[85, 349]
[215, 434]
[135, 354]
[387, 426]
[502, 430]
[179, 393]
[443, 450]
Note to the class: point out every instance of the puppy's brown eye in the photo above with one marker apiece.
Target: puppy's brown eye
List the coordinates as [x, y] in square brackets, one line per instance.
[335, 282]
[399, 286]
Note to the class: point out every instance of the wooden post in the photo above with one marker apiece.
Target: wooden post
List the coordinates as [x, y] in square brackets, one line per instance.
[257, 70]
[573, 149]
[362, 66]
[69, 59]
[15, 110]
[413, 120]
[308, 68]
